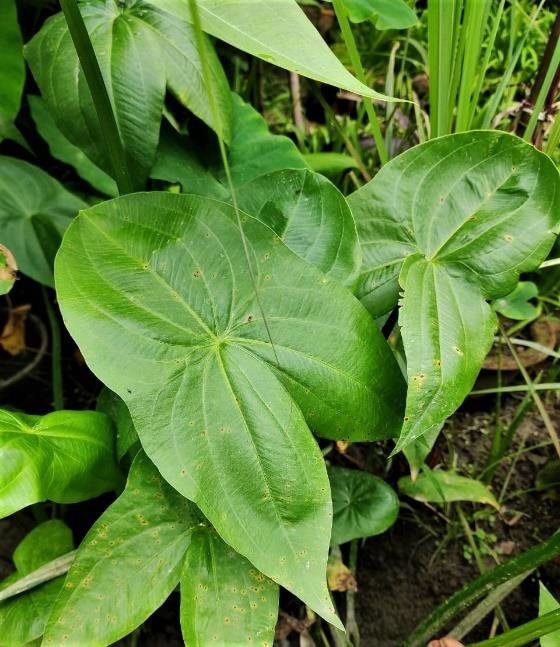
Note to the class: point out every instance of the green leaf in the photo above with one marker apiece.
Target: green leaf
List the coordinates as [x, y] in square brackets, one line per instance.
[329, 163]
[12, 70]
[253, 151]
[110, 404]
[515, 305]
[279, 32]
[363, 505]
[438, 486]
[310, 215]
[24, 617]
[389, 14]
[127, 565]
[63, 150]
[548, 603]
[65, 456]
[455, 220]
[224, 600]
[447, 329]
[8, 270]
[34, 212]
[179, 335]
[141, 49]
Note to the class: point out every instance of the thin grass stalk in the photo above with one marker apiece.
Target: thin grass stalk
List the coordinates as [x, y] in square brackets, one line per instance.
[543, 93]
[482, 586]
[390, 90]
[492, 106]
[352, 49]
[553, 140]
[442, 21]
[474, 27]
[526, 633]
[100, 96]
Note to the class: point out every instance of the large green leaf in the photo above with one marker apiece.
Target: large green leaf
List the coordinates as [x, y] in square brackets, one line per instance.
[127, 565]
[363, 505]
[12, 69]
[225, 602]
[34, 212]
[142, 48]
[63, 150]
[253, 151]
[310, 215]
[156, 291]
[455, 220]
[278, 32]
[65, 456]
[23, 618]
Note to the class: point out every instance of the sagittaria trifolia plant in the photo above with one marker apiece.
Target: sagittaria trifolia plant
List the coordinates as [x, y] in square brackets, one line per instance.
[234, 318]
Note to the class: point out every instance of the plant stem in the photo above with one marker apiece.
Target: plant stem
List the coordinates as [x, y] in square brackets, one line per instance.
[356, 61]
[352, 629]
[99, 94]
[526, 633]
[56, 354]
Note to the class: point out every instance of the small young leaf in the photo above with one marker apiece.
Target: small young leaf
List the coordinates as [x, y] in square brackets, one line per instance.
[363, 505]
[142, 48]
[548, 603]
[224, 599]
[65, 456]
[23, 618]
[279, 32]
[439, 486]
[310, 215]
[8, 270]
[12, 70]
[110, 403]
[330, 164]
[163, 307]
[127, 565]
[516, 304]
[34, 212]
[63, 150]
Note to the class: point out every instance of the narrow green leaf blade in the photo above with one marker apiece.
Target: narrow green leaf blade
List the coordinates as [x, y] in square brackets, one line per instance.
[65, 456]
[34, 212]
[225, 601]
[548, 603]
[363, 505]
[127, 565]
[439, 486]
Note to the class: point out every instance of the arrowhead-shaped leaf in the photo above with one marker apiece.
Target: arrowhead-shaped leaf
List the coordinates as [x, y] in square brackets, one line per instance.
[225, 601]
[465, 214]
[65, 456]
[34, 212]
[279, 32]
[142, 48]
[23, 618]
[389, 14]
[156, 290]
[127, 565]
[363, 505]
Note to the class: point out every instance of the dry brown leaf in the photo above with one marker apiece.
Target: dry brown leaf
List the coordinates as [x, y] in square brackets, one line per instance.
[340, 577]
[12, 338]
